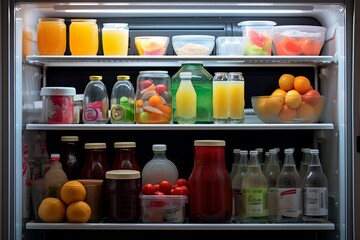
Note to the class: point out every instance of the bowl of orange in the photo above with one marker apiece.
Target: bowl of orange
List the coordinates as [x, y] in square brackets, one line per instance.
[151, 45]
[295, 40]
[295, 101]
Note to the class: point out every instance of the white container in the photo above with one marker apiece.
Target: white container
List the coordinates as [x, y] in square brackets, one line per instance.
[200, 45]
[55, 177]
[232, 46]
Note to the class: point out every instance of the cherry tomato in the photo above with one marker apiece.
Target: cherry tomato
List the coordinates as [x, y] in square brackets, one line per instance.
[177, 191]
[185, 190]
[148, 189]
[156, 186]
[160, 88]
[159, 193]
[181, 182]
[157, 203]
[165, 186]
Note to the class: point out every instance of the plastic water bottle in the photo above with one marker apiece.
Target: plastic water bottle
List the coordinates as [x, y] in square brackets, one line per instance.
[54, 178]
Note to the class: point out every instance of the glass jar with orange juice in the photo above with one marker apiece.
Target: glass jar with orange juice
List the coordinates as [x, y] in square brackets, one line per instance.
[51, 36]
[236, 97]
[220, 98]
[115, 39]
[83, 37]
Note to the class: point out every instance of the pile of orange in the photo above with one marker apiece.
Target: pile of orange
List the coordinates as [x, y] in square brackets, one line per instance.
[294, 99]
[71, 205]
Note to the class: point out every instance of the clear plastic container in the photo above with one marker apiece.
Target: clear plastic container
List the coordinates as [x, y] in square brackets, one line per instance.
[83, 37]
[58, 104]
[96, 101]
[153, 98]
[230, 45]
[115, 39]
[122, 101]
[54, 178]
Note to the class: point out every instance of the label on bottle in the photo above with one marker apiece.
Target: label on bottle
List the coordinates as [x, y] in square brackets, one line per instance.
[272, 201]
[238, 202]
[289, 202]
[92, 114]
[315, 201]
[255, 202]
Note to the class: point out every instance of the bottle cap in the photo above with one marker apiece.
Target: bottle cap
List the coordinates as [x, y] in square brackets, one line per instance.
[314, 151]
[253, 152]
[236, 150]
[69, 138]
[124, 145]
[95, 78]
[289, 150]
[95, 146]
[159, 147]
[243, 152]
[54, 157]
[123, 77]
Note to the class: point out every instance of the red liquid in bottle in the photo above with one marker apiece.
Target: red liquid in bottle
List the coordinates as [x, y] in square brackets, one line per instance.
[95, 165]
[125, 157]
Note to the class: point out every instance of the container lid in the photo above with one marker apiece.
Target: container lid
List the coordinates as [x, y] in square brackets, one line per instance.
[244, 152]
[122, 77]
[122, 174]
[124, 145]
[95, 145]
[58, 91]
[55, 157]
[159, 147]
[257, 23]
[83, 20]
[236, 150]
[51, 20]
[116, 25]
[254, 152]
[209, 143]
[153, 72]
[288, 150]
[194, 37]
[95, 78]
[69, 138]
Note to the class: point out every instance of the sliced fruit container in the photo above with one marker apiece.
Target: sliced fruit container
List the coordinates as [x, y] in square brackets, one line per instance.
[295, 40]
[151, 45]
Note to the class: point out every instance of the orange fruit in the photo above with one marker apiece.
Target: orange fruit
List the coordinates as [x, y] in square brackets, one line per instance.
[165, 109]
[293, 99]
[260, 107]
[306, 112]
[72, 191]
[286, 82]
[287, 114]
[278, 92]
[78, 212]
[139, 103]
[273, 105]
[51, 210]
[155, 100]
[302, 84]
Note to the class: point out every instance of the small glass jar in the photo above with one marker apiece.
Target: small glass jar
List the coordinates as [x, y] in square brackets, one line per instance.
[58, 104]
[220, 98]
[83, 37]
[236, 97]
[51, 36]
[115, 39]
[95, 165]
[125, 157]
[122, 190]
[153, 98]
[78, 108]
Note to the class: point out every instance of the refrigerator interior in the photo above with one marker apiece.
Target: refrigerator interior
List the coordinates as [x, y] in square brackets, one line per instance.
[329, 73]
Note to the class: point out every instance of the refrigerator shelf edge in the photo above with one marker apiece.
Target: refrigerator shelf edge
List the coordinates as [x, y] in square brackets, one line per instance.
[181, 226]
[175, 61]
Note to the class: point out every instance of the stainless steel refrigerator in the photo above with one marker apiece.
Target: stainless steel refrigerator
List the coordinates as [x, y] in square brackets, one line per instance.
[334, 73]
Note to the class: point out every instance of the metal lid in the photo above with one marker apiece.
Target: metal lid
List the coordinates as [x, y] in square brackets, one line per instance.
[58, 91]
[95, 78]
[124, 145]
[69, 138]
[122, 174]
[95, 146]
[122, 77]
[159, 147]
[209, 143]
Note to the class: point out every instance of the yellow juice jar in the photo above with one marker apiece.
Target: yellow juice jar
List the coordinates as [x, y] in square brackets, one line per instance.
[83, 37]
[51, 36]
[115, 39]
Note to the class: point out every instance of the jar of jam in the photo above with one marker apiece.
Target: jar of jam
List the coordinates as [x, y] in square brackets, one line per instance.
[122, 190]
[209, 173]
[95, 165]
[125, 157]
[153, 98]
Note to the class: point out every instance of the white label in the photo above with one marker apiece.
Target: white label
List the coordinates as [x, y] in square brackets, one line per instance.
[289, 202]
[316, 201]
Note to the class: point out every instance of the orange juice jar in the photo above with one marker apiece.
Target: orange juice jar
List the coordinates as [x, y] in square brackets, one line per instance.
[115, 39]
[83, 37]
[51, 36]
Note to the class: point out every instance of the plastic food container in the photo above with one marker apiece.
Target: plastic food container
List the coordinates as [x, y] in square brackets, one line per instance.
[230, 46]
[163, 208]
[151, 45]
[257, 37]
[201, 45]
[298, 40]
[58, 103]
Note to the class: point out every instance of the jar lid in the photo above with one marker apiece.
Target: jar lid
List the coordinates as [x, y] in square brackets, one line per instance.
[124, 145]
[95, 78]
[51, 20]
[153, 72]
[123, 77]
[209, 143]
[159, 147]
[122, 174]
[95, 146]
[55, 157]
[115, 25]
[69, 138]
[83, 20]
[58, 91]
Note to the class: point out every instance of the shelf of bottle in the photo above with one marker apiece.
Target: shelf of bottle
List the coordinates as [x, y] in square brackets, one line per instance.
[176, 61]
[180, 226]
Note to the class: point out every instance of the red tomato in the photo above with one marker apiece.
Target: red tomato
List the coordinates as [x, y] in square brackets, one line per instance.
[185, 190]
[181, 182]
[312, 97]
[160, 88]
[159, 193]
[157, 203]
[177, 191]
[148, 189]
[165, 186]
[156, 186]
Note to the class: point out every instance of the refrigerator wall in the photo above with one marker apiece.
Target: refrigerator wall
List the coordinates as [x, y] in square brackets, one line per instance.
[331, 73]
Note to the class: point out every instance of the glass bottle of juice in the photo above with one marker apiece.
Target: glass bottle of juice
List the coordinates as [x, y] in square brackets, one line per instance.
[202, 82]
[96, 101]
[125, 157]
[51, 36]
[237, 185]
[185, 100]
[68, 156]
[83, 37]
[220, 98]
[236, 97]
[235, 164]
[95, 165]
[115, 39]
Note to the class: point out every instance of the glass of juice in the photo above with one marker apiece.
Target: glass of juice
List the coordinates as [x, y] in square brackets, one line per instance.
[236, 97]
[84, 37]
[51, 36]
[115, 39]
[220, 98]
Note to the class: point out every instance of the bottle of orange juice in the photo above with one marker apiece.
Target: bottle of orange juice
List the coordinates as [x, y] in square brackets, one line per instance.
[84, 37]
[51, 36]
[220, 98]
[236, 97]
[186, 100]
[115, 39]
